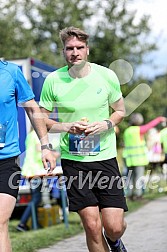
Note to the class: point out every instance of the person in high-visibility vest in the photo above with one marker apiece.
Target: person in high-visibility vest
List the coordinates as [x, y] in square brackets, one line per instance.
[135, 152]
[163, 139]
[32, 167]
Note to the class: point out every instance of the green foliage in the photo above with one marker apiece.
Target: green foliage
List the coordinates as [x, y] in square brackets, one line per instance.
[157, 101]
[118, 37]
[31, 28]
[15, 39]
[156, 104]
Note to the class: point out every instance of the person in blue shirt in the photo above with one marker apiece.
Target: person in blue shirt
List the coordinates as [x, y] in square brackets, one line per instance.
[15, 91]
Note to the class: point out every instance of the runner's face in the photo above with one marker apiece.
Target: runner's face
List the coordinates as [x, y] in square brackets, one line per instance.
[75, 51]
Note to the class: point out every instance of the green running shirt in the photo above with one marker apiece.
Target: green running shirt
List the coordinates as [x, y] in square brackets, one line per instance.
[89, 97]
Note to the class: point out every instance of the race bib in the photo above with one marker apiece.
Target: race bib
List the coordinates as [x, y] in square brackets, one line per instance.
[84, 145]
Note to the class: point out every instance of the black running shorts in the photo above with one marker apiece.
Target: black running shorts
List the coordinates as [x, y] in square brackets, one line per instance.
[9, 176]
[93, 184]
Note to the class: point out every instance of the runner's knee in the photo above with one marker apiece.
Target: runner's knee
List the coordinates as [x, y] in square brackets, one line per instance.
[93, 227]
[116, 230]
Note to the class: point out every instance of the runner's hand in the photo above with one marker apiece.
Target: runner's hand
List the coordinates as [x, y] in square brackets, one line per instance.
[78, 127]
[96, 128]
[49, 159]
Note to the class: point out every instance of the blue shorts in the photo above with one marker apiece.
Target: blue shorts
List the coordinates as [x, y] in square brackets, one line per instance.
[93, 184]
[9, 176]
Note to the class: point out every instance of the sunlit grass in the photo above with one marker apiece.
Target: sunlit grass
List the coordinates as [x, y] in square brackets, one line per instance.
[31, 240]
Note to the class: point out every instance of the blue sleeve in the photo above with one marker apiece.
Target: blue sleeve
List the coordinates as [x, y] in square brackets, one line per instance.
[23, 90]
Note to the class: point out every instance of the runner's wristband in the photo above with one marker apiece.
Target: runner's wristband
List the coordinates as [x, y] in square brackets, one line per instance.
[109, 124]
[47, 146]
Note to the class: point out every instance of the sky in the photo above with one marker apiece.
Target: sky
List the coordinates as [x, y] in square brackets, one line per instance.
[157, 9]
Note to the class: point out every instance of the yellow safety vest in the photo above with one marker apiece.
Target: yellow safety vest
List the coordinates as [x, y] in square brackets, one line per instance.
[135, 150]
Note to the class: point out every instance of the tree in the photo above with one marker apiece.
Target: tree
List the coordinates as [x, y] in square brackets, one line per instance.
[112, 29]
[15, 38]
[117, 36]
[157, 102]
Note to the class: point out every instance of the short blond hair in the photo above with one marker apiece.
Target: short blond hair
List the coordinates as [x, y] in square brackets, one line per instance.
[73, 32]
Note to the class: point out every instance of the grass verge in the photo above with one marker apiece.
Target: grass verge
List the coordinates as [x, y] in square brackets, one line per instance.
[34, 239]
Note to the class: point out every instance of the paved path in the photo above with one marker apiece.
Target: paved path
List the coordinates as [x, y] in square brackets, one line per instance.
[146, 232]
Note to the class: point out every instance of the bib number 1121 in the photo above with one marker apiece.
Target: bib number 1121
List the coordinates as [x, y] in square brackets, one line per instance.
[81, 145]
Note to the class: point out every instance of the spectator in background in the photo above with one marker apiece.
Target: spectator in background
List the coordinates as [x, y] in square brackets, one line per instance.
[154, 148]
[136, 153]
[32, 166]
[163, 139]
[32, 169]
